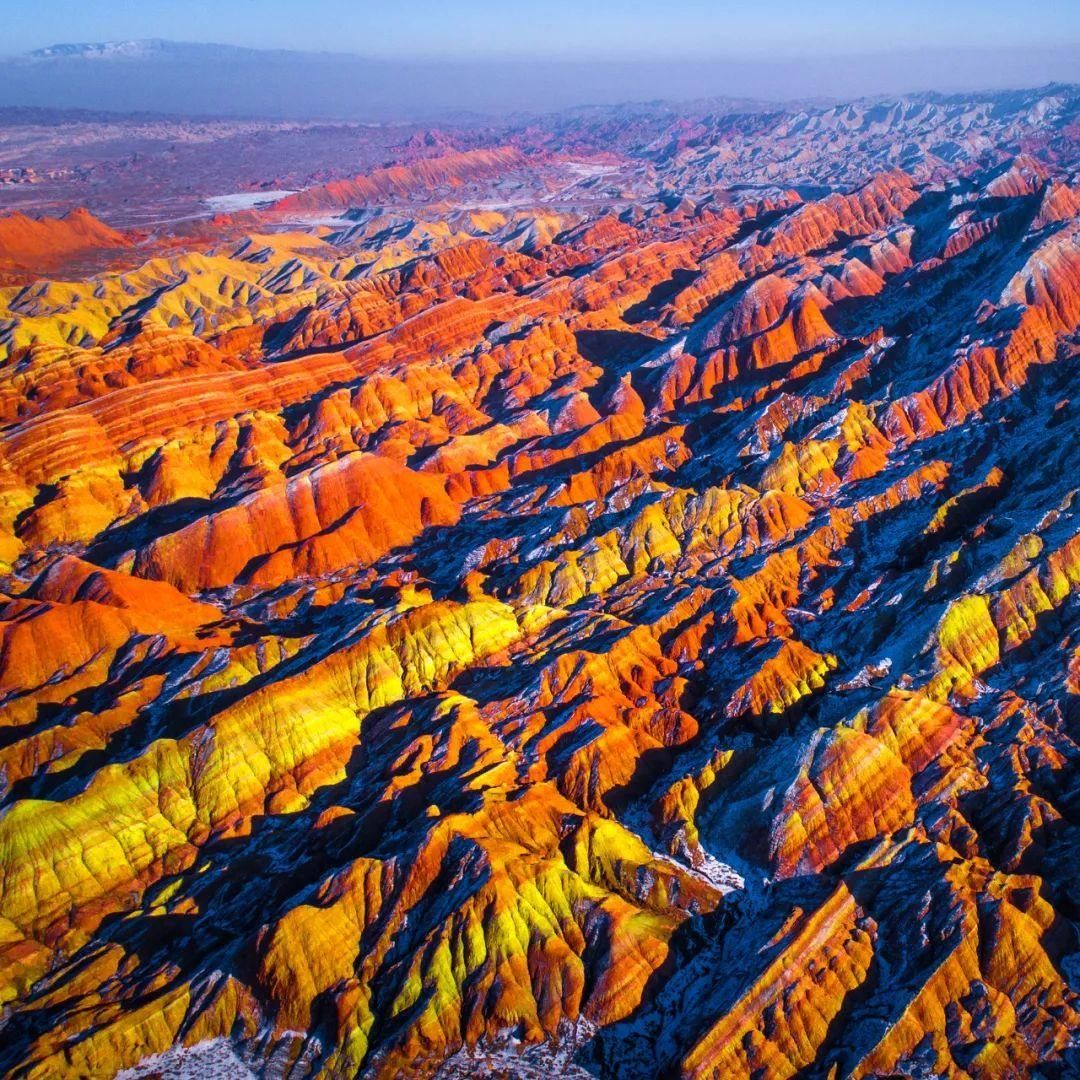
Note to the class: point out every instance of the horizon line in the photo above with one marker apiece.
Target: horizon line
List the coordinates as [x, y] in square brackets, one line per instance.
[749, 52]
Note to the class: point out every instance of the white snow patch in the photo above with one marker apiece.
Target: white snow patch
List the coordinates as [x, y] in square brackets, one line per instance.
[725, 878]
[867, 675]
[243, 200]
[211, 1060]
[508, 1056]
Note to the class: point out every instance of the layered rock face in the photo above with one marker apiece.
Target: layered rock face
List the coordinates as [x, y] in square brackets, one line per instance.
[617, 636]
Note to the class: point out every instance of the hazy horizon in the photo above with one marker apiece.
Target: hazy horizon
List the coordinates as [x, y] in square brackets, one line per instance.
[430, 59]
[297, 84]
[552, 29]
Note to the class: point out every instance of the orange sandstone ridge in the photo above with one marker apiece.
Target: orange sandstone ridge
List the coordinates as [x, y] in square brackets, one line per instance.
[628, 637]
[30, 243]
[425, 176]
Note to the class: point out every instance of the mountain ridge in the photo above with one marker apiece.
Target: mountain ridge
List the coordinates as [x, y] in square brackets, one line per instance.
[342, 84]
[592, 596]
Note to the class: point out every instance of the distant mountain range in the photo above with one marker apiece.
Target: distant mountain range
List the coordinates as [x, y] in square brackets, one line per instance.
[226, 80]
[107, 50]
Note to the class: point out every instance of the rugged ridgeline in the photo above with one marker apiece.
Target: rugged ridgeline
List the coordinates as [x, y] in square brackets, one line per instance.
[42, 244]
[633, 644]
[425, 177]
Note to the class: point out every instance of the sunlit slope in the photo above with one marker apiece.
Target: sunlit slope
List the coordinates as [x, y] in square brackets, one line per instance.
[652, 641]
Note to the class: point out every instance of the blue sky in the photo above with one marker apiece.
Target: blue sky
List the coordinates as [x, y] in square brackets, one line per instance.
[553, 28]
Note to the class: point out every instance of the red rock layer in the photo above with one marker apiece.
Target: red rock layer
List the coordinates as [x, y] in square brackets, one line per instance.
[638, 638]
[404, 181]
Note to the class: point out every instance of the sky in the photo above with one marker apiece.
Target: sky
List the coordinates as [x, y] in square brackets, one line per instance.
[553, 29]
